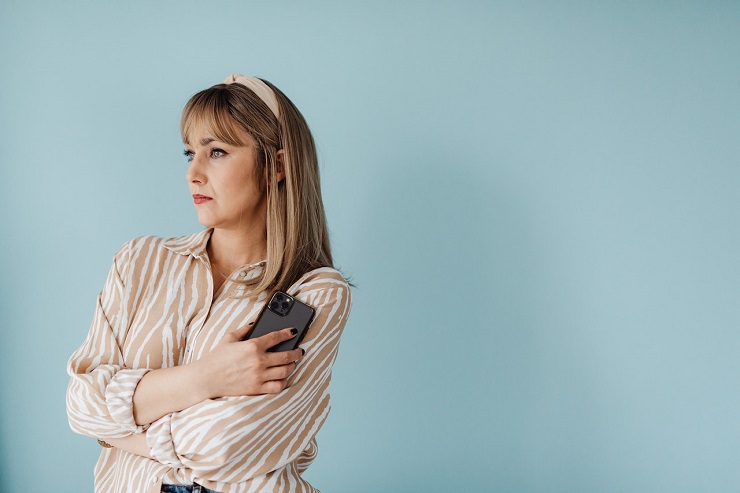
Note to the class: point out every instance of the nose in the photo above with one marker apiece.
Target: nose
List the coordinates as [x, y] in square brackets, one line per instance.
[195, 173]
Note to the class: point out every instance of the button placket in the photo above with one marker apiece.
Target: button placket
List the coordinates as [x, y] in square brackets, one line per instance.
[201, 321]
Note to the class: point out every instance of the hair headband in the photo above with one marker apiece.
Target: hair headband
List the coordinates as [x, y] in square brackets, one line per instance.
[261, 89]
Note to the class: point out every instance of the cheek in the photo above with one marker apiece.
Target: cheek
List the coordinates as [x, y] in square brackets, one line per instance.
[249, 184]
[242, 190]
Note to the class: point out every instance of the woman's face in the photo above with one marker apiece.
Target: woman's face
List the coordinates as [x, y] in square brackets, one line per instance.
[222, 181]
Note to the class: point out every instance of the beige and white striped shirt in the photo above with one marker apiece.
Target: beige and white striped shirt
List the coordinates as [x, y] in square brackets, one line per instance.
[155, 311]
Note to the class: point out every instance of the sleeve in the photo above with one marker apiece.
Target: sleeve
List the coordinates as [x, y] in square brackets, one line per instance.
[234, 439]
[101, 388]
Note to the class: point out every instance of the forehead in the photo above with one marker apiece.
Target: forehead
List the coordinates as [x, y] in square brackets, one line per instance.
[204, 128]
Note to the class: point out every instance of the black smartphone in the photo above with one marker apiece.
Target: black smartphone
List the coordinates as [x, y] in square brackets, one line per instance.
[281, 312]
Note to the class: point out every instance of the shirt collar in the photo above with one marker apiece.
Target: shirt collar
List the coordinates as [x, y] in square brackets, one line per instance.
[194, 244]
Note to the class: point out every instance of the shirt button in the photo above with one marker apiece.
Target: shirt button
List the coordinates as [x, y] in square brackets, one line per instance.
[154, 479]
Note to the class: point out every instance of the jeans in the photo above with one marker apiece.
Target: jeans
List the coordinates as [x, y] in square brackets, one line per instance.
[194, 488]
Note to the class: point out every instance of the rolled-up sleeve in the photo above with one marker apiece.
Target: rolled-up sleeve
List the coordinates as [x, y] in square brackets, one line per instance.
[235, 439]
[101, 388]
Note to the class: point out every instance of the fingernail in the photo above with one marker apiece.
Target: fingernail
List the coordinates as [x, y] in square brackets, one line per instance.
[251, 323]
[303, 352]
[294, 331]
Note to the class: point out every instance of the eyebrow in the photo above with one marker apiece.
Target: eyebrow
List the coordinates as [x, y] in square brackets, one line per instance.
[203, 142]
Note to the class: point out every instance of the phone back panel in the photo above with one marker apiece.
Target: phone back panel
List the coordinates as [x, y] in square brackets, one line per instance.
[299, 316]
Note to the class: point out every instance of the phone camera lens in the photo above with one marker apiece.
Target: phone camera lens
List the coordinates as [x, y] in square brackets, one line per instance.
[274, 305]
[285, 305]
[279, 297]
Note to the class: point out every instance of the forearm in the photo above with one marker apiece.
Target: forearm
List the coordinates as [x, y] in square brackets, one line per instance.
[168, 390]
[135, 444]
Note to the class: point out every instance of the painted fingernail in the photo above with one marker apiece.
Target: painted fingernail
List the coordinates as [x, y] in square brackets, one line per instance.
[251, 323]
[294, 331]
[303, 352]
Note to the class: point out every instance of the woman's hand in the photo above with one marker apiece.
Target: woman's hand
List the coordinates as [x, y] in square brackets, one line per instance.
[237, 367]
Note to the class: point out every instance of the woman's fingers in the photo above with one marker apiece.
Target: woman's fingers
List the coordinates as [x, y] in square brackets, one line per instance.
[273, 387]
[242, 332]
[283, 357]
[279, 372]
[267, 341]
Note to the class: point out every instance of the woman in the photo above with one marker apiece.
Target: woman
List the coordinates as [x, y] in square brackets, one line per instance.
[164, 381]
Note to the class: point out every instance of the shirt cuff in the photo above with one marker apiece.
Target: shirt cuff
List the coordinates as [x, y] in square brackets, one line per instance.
[159, 439]
[119, 397]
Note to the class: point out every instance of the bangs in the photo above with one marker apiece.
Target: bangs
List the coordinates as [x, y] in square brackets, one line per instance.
[210, 108]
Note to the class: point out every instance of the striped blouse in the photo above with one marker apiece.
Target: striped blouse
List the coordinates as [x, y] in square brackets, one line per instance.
[158, 310]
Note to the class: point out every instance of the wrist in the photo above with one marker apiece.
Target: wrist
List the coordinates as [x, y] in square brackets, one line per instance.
[200, 381]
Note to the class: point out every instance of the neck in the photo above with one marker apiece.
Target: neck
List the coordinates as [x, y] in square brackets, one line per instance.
[230, 249]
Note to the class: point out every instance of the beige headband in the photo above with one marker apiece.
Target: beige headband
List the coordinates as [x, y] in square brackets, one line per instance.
[261, 89]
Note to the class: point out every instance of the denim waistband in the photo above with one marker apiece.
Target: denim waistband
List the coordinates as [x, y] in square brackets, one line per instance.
[178, 488]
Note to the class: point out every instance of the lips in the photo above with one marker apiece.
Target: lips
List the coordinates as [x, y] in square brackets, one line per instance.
[199, 199]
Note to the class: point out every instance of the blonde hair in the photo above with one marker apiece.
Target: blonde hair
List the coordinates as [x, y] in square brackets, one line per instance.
[297, 236]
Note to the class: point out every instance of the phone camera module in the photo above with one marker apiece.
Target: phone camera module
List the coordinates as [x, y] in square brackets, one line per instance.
[281, 304]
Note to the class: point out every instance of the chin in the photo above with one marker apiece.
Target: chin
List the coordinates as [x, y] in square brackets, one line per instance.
[205, 221]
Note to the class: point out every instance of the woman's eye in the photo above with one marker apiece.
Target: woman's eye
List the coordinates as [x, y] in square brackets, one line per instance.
[189, 155]
[217, 152]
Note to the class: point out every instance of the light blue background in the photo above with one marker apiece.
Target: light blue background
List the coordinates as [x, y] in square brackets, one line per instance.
[538, 202]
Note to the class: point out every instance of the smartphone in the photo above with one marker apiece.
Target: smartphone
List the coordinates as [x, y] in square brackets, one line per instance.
[281, 312]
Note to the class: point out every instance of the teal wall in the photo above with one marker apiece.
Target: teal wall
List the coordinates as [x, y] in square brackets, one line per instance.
[538, 201]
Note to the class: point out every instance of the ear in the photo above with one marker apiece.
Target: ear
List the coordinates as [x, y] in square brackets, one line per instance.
[280, 165]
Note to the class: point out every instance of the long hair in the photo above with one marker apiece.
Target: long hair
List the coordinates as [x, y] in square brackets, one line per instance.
[296, 232]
